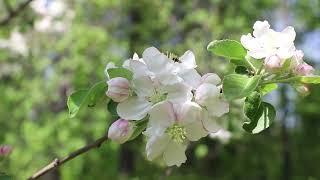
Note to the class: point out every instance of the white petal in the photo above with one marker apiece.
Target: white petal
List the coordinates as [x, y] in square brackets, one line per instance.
[174, 154]
[211, 78]
[206, 93]
[195, 131]
[260, 27]
[209, 123]
[191, 77]
[217, 107]
[135, 57]
[188, 112]
[156, 145]
[178, 92]
[188, 60]
[133, 108]
[162, 115]
[143, 86]
[149, 53]
[109, 66]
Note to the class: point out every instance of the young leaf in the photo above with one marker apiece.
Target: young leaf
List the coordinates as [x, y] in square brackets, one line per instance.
[86, 97]
[267, 88]
[227, 48]
[263, 122]
[120, 72]
[252, 106]
[241, 70]
[237, 86]
[112, 108]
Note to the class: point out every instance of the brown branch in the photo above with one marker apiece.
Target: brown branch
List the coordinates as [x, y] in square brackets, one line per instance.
[14, 12]
[59, 162]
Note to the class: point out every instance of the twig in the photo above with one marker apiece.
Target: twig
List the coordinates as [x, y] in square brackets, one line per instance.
[58, 162]
[14, 12]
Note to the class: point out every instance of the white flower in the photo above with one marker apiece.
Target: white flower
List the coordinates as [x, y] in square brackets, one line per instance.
[170, 128]
[118, 89]
[266, 42]
[16, 43]
[208, 96]
[156, 65]
[149, 93]
[120, 131]
[110, 65]
[49, 8]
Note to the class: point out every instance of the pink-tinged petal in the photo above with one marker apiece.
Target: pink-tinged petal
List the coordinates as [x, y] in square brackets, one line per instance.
[217, 107]
[120, 131]
[134, 108]
[174, 154]
[118, 89]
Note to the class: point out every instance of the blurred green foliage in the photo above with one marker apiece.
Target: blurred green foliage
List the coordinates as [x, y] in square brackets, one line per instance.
[34, 90]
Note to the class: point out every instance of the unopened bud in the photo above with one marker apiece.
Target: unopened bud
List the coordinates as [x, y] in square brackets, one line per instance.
[273, 63]
[304, 69]
[118, 89]
[5, 150]
[303, 90]
[120, 131]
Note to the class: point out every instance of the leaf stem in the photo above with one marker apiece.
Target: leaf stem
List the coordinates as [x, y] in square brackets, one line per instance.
[287, 80]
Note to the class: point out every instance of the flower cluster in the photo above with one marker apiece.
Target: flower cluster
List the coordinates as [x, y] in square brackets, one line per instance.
[276, 49]
[180, 104]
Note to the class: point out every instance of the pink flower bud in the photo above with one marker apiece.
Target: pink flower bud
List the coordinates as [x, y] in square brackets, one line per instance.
[273, 63]
[120, 131]
[303, 90]
[5, 150]
[304, 69]
[118, 89]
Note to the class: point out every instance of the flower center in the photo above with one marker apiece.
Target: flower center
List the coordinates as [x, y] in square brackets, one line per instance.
[177, 133]
[157, 97]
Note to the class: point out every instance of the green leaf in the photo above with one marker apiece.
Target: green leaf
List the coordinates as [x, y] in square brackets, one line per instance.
[140, 127]
[237, 86]
[257, 125]
[4, 176]
[241, 70]
[85, 97]
[227, 48]
[310, 79]
[251, 107]
[267, 88]
[120, 72]
[112, 108]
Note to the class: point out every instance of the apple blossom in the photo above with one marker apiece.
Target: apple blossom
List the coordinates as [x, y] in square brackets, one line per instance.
[304, 69]
[120, 131]
[266, 42]
[170, 128]
[149, 93]
[118, 89]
